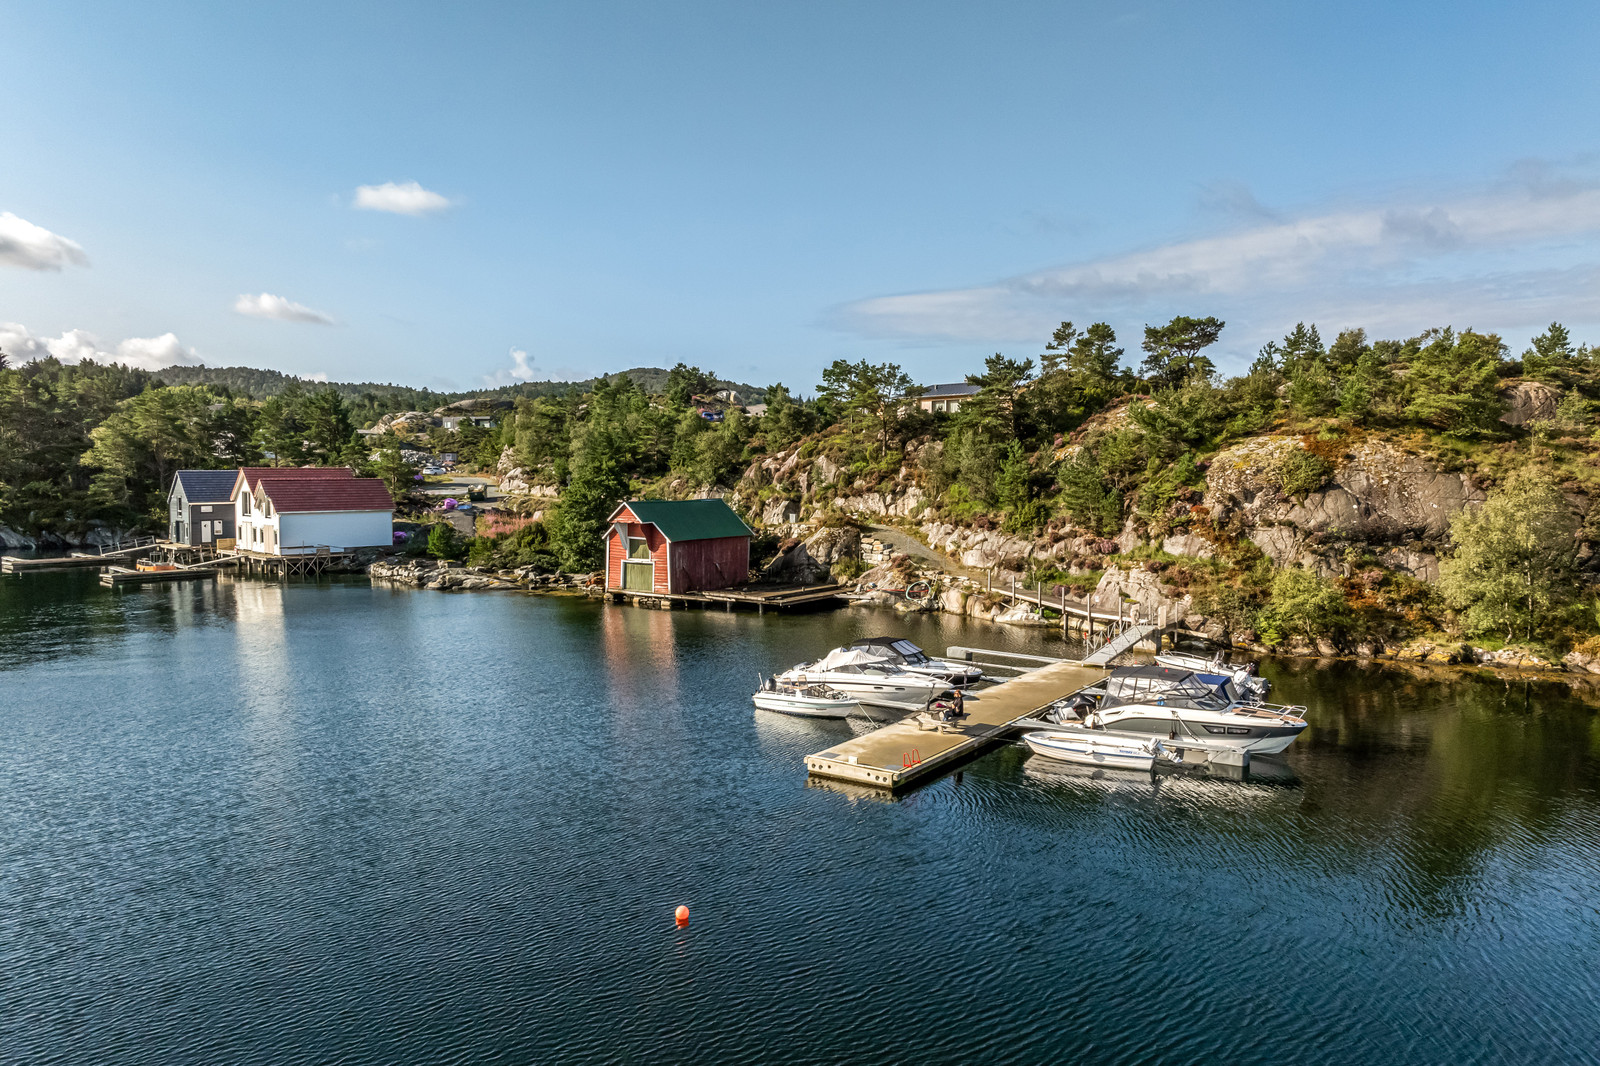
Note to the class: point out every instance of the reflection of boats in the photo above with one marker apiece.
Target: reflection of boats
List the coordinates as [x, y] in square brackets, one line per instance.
[858, 674]
[1175, 703]
[1251, 688]
[811, 701]
[1082, 746]
[908, 656]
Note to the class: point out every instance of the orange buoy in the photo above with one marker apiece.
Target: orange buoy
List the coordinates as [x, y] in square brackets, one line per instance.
[681, 914]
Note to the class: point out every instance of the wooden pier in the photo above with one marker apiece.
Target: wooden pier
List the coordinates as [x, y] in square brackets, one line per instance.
[321, 560]
[11, 564]
[120, 576]
[906, 752]
[782, 598]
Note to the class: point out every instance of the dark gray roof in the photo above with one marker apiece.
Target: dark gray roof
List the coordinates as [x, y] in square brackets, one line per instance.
[960, 388]
[207, 486]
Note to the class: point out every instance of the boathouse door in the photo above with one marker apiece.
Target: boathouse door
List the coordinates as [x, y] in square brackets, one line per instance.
[638, 570]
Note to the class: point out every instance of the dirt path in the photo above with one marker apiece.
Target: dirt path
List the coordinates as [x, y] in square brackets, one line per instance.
[901, 541]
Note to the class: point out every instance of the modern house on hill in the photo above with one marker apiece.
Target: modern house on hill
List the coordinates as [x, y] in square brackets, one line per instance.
[200, 508]
[672, 547]
[285, 511]
[946, 398]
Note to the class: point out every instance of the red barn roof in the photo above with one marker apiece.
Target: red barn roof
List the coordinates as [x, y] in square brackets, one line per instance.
[249, 476]
[293, 493]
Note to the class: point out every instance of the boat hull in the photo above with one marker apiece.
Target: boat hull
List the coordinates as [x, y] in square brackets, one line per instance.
[1092, 751]
[806, 706]
[874, 692]
[1254, 736]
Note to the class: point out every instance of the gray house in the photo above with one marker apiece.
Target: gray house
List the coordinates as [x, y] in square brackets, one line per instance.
[200, 507]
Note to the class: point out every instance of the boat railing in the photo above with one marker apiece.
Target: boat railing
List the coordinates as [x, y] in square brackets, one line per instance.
[1025, 664]
[1276, 710]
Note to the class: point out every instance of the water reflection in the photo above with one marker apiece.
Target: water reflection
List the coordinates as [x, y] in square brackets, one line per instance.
[291, 823]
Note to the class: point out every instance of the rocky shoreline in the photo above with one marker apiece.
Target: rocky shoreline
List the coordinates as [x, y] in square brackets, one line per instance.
[449, 577]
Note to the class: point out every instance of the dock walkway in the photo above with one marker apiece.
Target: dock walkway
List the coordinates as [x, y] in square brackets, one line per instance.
[903, 753]
[12, 564]
[786, 597]
[118, 576]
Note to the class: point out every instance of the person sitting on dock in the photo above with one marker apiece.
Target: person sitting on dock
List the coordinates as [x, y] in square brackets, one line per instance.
[954, 709]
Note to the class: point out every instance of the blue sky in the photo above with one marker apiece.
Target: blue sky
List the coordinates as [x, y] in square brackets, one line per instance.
[762, 188]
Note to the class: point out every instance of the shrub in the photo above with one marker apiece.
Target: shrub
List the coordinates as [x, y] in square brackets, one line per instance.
[1303, 472]
[1303, 605]
[444, 542]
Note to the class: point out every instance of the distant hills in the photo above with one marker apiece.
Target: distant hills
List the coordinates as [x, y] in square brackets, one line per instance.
[370, 395]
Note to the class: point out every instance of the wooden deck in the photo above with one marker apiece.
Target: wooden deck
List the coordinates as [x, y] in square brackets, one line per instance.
[300, 564]
[11, 564]
[903, 753]
[763, 599]
[119, 576]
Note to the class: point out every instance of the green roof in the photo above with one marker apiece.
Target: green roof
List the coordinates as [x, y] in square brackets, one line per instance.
[690, 519]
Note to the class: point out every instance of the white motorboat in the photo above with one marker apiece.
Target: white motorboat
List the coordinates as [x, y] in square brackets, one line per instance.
[1250, 686]
[811, 701]
[872, 681]
[908, 656]
[1175, 704]
[1082, 746]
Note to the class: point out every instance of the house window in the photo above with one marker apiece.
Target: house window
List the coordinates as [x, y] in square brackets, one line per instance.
[244, 505]
[638, 548]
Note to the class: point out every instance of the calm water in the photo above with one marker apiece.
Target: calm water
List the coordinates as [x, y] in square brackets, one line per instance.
[252, 823]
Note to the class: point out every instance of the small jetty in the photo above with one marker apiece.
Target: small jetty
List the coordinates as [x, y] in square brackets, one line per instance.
[166, 569]
[119, 576]
[906, 752]
[777, 598]
[11, 564]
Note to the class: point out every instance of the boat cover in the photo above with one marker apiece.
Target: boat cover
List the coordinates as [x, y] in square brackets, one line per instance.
[848, 657]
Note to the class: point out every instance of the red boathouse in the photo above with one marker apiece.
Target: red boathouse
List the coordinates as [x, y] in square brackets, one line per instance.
[670, 547]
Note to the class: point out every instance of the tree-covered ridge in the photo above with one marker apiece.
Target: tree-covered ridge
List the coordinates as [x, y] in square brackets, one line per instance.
[1072, 440]
[368, 401]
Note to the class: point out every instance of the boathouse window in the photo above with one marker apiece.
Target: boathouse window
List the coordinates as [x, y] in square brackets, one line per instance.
[638, 548]
[244, 505]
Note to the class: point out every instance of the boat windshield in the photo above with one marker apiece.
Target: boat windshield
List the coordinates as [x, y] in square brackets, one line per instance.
[895, 648]
[1167, 699]
[909, 651]
[1138, 684]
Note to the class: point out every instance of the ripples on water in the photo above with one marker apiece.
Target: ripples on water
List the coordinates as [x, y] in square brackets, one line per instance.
[326, 822]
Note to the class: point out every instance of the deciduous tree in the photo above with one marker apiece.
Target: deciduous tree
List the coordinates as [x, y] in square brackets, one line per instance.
[1514, 568]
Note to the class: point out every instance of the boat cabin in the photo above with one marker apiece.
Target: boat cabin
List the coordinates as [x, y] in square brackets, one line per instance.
[1169, 686]
[200, 508]
[894, 649]
[671, 547]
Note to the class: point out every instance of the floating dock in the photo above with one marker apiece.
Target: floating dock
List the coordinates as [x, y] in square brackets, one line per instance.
[905, 752]
[118, 576]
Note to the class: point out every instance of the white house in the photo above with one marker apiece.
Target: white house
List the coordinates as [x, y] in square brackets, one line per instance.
[281, 511]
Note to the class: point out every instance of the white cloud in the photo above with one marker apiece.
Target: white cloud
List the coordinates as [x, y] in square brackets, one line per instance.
[76, 345]
[1509, 256]
[400, 199]
[22, 244]
[320, 376]
[521, 369]
[266, 305]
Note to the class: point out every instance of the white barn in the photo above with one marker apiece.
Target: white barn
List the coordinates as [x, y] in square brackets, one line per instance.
[283, 511]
